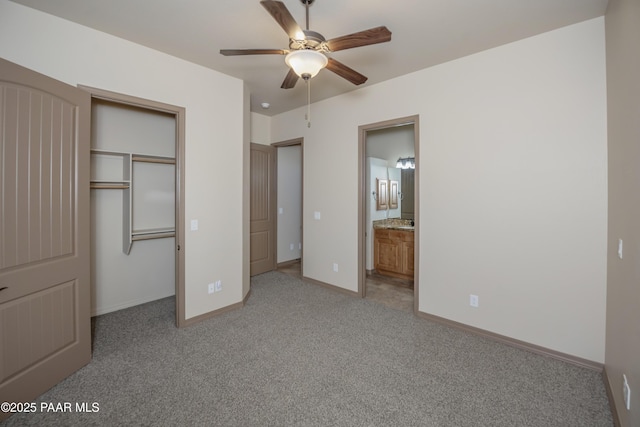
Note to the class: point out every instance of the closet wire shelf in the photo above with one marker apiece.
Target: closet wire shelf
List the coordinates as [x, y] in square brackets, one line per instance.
[127, 159]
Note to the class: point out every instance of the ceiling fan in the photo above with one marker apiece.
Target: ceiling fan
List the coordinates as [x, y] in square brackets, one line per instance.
[306, 55]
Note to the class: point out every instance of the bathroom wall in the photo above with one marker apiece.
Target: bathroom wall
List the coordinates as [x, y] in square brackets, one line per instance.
[375, 168]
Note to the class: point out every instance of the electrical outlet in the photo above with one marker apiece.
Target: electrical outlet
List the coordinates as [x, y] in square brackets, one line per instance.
[291, 246]
[626, 392]
[474, 301]
[335, 267]
[218, 286]
[211, 288]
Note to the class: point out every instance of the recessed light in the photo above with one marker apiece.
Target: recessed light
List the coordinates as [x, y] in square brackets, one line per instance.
[265, 105]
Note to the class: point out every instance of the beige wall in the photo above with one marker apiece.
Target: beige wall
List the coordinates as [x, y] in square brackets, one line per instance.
[246, 193]
[623, 281]
[260, 129]
[513, 186]
[215, 141]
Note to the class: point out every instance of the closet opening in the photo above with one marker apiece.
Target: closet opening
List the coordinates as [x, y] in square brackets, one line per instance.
[137, 211]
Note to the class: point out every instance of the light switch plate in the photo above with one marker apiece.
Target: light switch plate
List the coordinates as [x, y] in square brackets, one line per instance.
[194, 225]
[620, 248]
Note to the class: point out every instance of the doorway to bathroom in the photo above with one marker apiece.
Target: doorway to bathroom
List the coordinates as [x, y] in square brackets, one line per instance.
[388, 212]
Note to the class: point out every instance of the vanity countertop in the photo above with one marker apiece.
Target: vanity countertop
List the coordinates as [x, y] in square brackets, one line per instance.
[394, 224]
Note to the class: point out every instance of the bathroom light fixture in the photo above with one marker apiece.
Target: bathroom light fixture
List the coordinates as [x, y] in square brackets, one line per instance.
[406, 163]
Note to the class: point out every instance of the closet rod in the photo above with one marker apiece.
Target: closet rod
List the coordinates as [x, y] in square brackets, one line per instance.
[137, 238]
[153, 160]
[109, 186]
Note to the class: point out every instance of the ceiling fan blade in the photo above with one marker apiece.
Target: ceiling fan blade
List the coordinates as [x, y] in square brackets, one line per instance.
[291, 80]
[345, 72]
[233, 52]
[362, 38]
[281, 14]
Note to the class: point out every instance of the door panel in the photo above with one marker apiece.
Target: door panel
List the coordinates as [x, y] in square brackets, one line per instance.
[262, 223]
[44, 232]
[408, 257]
[382, 198]
[393, 194]
[43, 212]
[386, 253]
[47, 317]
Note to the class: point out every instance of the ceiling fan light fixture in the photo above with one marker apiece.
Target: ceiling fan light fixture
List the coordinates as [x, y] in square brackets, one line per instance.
[306, 63]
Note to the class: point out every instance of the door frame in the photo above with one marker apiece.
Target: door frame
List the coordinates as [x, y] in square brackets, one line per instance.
[291, 143]
[179, 113]
[362, 197]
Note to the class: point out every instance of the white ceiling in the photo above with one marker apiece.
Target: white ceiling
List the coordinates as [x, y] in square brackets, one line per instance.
[425, 33]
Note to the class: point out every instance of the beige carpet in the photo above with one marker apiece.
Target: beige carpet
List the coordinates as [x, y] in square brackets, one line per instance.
[301, 355]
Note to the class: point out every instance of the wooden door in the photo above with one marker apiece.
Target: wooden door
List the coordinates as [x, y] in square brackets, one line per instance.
[263, 209]
[45, 324]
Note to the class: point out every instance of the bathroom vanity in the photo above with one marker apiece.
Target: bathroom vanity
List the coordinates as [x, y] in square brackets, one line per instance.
[393, 246]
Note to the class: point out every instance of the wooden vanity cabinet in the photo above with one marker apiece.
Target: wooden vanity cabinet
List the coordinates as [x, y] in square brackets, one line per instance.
[393, 252]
